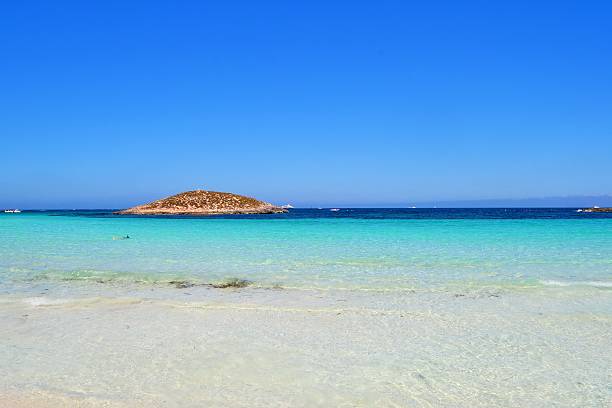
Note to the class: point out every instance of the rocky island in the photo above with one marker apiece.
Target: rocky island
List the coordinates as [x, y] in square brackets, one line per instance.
[597, 209]
[202, 202]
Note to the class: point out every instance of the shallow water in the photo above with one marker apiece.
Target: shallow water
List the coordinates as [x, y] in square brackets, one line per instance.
[163, 347]
[350, 249]
[431, 308]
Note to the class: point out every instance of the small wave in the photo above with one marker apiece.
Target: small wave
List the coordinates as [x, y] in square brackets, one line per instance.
[45, 301]
[594, 284]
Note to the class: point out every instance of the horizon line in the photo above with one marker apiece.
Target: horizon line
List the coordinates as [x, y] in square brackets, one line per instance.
[338, 207]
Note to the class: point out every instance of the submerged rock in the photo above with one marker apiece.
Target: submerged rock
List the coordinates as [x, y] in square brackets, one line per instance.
[182, 284]
[227, 283]
[232, 283]
[202, 202]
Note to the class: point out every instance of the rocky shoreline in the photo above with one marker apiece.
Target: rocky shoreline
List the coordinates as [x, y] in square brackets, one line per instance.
[597, 209]
[202, 202]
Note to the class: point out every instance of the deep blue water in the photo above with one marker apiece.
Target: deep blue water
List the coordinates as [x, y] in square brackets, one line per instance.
[373, 213]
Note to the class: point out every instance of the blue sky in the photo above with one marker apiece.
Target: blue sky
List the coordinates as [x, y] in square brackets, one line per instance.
[107, 104]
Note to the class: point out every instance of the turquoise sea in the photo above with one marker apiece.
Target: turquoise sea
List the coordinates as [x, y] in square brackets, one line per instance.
[358, 249]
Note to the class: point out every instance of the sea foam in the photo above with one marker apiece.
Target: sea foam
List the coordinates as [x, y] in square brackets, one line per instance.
[595, 284]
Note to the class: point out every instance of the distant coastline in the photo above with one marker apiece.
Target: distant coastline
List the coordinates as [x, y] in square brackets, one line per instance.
[598, 210]
[574, 202]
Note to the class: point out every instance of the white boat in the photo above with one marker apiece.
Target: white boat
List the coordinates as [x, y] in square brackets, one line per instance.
[287, 206]
[334, 209]
[12, 211]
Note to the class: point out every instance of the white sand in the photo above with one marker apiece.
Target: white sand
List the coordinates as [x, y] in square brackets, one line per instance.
[252, 347]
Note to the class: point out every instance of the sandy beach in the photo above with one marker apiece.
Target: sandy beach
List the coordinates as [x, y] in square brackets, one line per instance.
[256, 347]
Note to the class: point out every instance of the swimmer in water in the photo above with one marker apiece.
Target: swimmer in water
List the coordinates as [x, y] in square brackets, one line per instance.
[121, 238]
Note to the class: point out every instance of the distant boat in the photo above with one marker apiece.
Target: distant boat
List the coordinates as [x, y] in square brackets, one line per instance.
[595, 206]
[12, 211]
[414, 206]
[579, 210]
[334, 209]
[287, 206]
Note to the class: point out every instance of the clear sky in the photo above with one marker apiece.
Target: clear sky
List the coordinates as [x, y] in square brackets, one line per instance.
[109, 103]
